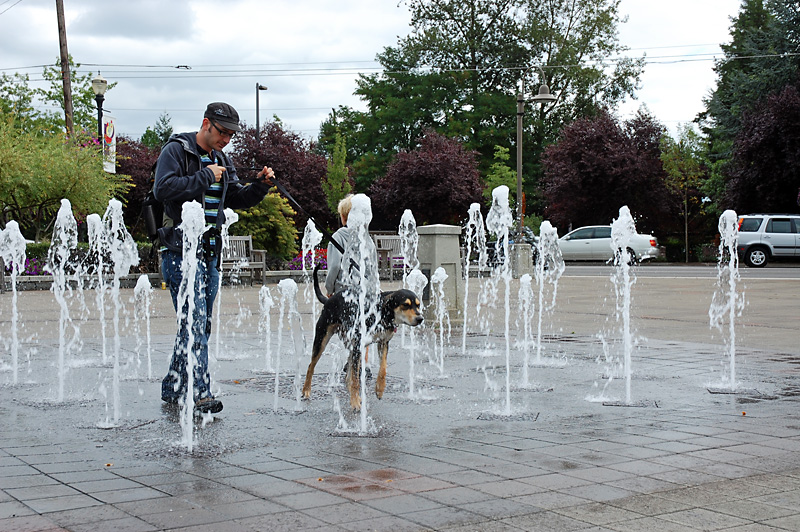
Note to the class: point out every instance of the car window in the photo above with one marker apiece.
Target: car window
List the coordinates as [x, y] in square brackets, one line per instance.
[779, 225]
[582, 233]
[796, 225]
[602, 232]
[749, 225]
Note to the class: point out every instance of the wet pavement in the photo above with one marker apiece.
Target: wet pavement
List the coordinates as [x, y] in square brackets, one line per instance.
[567, 452]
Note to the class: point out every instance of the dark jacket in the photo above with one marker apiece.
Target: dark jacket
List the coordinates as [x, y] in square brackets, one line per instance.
[180, 177]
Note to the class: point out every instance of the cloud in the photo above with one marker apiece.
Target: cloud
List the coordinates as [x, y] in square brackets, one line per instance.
[143, 19]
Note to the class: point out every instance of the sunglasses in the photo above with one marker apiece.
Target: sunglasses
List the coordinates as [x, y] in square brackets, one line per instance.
[224, 133]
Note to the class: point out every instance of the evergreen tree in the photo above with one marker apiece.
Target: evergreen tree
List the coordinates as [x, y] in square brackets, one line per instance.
[336, 184]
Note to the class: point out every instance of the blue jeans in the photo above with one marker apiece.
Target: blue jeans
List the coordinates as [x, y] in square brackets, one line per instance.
[205, 291]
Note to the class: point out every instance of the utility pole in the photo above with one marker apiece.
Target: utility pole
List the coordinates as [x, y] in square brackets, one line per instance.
[65, 75]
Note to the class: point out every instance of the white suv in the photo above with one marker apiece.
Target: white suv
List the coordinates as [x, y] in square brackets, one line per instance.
[763, 237]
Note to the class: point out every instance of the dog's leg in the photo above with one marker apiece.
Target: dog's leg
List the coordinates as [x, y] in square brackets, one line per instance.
[354, 378]
[380, 383]
[322, 336]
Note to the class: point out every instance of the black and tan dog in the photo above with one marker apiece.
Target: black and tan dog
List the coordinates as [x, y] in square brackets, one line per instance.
[340, 315]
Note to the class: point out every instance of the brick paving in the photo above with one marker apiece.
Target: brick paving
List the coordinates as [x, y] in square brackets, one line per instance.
[567, 453]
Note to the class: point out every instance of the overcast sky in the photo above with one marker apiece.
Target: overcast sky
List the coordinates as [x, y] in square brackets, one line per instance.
[307, 53]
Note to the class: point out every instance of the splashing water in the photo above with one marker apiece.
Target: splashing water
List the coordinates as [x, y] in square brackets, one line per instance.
[65, 240]
[727, 303]
[409, 241]
[265, 304]
[12, 251]
[623, 229]
[527, 308]
[475, 234]
[416, 283]
[94, 225]
[365, 278]
[311, 239]
[549, 269]
[143, 298]
[442, 316]
[288, 291]
[231, 217]
[124, 255]
[193, 227]
[498, 222]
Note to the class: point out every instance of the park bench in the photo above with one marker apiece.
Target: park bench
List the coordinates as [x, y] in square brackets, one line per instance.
[390, 255]
[240, 259]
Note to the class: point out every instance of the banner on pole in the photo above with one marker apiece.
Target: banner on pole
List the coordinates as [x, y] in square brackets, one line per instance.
[109, 144]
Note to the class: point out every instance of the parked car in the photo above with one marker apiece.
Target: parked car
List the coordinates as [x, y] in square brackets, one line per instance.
[594, 243]
[763, 237]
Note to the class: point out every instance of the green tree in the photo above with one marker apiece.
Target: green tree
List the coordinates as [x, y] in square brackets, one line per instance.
[336, 184]
[438, 181]
[84, 106]
[159, 134]
[500, 174]
[753, 66]
[459, 71]
[37, 171]
[17, 100]
[683, 163]
[765, 167]
[270, 223]
[598, 165]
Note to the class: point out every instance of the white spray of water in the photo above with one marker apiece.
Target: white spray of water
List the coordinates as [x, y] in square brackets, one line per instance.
[549, 269]
[94, 226]
[527, 308]
[442, 315]
[231, 217]
[727, 303]
[143, 298]
[311, 239]
[416, 283]
[124, 255]
[12, 250]
[475, 235]
[193, 227]
[498, 222]
[265, 304]
[409, 242]
[288, 290]
[364, 279]
[623, 229]
[64, 241]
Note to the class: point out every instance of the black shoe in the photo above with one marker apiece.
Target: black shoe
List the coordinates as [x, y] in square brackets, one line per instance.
[208, 404]
[170, 400]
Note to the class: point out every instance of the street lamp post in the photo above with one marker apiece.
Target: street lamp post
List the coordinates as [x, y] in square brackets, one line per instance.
[99, 86]
[259, 87]
[544, 96]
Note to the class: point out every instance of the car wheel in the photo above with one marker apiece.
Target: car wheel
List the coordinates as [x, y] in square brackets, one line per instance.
[756, 257]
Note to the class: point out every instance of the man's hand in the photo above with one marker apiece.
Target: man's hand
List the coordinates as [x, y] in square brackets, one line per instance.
[217, 169]
[266, 175]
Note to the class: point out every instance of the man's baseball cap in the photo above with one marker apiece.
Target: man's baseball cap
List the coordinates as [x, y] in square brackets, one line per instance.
[224, 115]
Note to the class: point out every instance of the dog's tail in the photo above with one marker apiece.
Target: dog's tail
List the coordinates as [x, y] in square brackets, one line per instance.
[320, 295]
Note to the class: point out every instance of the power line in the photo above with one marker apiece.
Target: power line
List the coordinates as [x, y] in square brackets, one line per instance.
[9, 7]
[199, 72]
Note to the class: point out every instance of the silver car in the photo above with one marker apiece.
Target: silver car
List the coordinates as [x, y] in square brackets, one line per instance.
[593, 242]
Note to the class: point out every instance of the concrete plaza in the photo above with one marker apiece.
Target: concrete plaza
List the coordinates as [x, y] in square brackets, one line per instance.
[562, 452]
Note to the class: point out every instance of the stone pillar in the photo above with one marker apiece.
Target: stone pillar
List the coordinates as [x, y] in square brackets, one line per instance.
[439, 246]
[521, 260]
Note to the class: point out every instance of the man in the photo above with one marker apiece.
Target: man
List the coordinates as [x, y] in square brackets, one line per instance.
[193, 167]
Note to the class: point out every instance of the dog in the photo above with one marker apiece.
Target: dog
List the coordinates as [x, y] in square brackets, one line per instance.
[340, 315]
